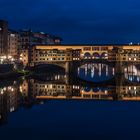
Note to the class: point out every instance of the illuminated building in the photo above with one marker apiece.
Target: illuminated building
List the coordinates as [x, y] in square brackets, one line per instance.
[13, 43]
[39, 54]
[48, 90]
[3, 37]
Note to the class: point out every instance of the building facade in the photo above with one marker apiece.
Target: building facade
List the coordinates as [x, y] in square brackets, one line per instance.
[3, 37]
[13, 44]
[40, 54]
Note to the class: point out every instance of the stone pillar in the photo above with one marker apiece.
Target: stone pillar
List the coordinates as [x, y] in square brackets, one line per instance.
[67, 67]
[120, 79]
[67, 79]
[119, 68]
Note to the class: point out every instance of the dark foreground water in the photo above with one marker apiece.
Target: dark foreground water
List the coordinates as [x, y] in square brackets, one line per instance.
[75, 120]
[56, 107]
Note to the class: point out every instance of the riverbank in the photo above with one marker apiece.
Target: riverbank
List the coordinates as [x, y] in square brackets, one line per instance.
[11, 75]
[31, 72]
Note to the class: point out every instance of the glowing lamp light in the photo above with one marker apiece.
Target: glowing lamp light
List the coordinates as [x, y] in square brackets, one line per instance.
[3, 57]
[12, 59]
[21, 55]
[9, 57]
[21, 89]
[135, 88]
[2, 92]
[12, 89]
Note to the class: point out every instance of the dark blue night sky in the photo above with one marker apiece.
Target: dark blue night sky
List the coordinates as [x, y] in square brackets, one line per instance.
[77, 21]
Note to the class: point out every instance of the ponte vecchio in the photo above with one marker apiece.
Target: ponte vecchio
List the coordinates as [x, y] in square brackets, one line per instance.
[65, 55]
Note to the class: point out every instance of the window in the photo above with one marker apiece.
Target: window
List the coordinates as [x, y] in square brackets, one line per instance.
[87, 48]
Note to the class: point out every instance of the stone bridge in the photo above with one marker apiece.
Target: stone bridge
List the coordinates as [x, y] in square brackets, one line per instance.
[64, 55]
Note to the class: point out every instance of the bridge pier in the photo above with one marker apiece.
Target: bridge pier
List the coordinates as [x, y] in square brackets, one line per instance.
[119, 68]
[120, 82]
[67, 67]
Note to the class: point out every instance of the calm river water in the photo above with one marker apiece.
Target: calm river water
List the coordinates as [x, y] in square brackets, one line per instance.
[95, 104]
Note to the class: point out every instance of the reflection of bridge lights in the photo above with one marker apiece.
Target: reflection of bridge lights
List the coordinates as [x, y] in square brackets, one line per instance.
[92, 74]
[107, 70]
[100, 70]
[9, 57]
[135, 88]
[20, 88]
[82, 91]
[2, 92]
[55, 77]
[12, 109]
[78, 71]
[41, 102]
[86, 73]
[138, 78]
[125, 70]
[106, 91]
[132, 73]
[58, 77]
[130, 78]
[89, 66]
[12, 59]
[9, 88]
[113, 71]
[12, 89]
[4, 88]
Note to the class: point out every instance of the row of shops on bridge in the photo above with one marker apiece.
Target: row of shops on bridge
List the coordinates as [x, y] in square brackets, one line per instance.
[66, 53]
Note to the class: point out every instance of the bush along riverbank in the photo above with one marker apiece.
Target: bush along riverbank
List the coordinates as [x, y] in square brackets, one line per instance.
[31, 72]
[13, 74]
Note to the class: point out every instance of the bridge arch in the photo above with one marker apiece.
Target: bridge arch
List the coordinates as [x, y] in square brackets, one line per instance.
[96, 55]
[87, 89]
[104, 55]
[60, 65]
[87, 55]
[95, 89]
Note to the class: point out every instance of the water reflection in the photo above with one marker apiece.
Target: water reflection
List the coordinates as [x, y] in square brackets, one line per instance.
[96, 72]
[27, 92]
[132, 73]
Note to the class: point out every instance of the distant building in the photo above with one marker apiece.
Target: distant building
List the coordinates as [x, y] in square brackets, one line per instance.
[16, 44]
[3, 37]
[29, 38]
[13, 43]
[25, 39]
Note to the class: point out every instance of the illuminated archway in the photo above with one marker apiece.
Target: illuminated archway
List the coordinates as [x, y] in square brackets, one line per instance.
[87, 55]
[104, 55]
[95, 89]
[96, 55]
[87, 89]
